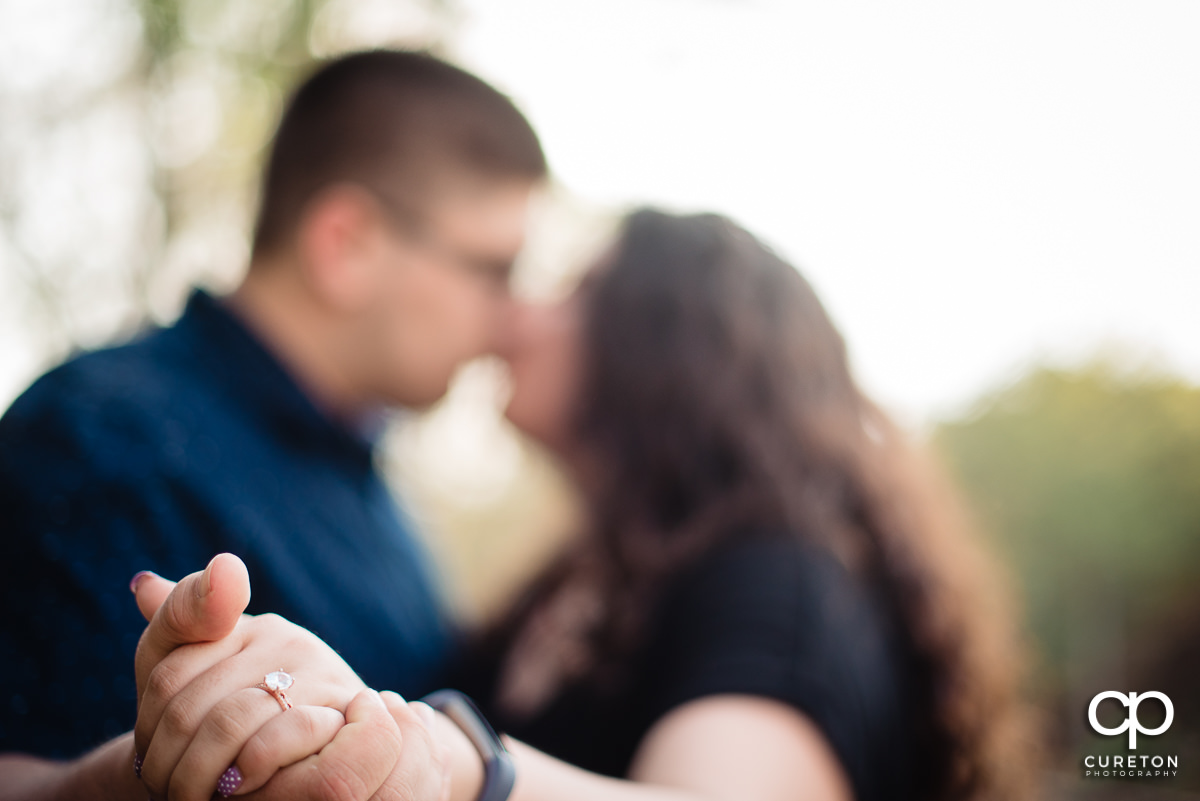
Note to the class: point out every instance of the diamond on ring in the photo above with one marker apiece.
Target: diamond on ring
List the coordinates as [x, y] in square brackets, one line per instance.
[278, 681]
[275, 683]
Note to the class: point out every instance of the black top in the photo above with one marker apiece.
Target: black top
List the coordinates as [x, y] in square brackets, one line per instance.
[155, 456]
[766, 617]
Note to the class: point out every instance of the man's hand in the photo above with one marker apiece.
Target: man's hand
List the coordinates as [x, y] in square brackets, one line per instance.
[385, 752]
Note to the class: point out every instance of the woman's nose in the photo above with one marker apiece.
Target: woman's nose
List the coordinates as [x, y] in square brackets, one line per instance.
[512, 328]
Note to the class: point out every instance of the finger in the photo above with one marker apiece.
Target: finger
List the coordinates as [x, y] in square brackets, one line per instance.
[441, 767]
[283, 740]
[441, 745]
[217, 712]
[204, 606]
[182, 690]
[195, 771]
[394, 702]
[149, 591]
[441, 748]
[218, 698]
[352, 767]
[274, 738]
[420, 774]
[179, 674]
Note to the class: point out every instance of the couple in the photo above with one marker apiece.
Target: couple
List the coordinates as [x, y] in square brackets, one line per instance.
[771, 597]
[765, 603]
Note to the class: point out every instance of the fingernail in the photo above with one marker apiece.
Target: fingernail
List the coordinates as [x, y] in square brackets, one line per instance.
[137, 760]
[230, 781]
[137, 579]
[204, 586]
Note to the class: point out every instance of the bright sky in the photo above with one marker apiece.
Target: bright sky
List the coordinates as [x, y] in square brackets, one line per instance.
[969, 186]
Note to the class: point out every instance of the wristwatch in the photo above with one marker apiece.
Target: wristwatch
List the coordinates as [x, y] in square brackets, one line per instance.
[499, 773]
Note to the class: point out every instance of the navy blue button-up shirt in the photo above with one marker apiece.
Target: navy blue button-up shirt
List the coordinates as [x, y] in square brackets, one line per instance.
[157, 455]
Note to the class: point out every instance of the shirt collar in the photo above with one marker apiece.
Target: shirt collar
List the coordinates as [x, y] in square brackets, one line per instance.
[251, 375]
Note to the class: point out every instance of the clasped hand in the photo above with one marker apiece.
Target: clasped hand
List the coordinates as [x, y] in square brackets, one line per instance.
[204, 723]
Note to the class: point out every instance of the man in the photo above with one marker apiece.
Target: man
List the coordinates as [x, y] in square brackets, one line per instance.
[393, 206]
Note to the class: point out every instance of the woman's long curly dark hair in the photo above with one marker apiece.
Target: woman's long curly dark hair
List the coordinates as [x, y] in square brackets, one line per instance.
[717, 396]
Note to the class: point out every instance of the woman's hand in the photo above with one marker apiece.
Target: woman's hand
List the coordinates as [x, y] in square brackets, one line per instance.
[202, 708]
[204, 725]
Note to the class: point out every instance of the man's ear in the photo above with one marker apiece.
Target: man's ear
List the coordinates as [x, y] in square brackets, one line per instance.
[341, 239]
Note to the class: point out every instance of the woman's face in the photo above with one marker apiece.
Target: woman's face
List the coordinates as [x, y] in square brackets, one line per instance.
[544, 351]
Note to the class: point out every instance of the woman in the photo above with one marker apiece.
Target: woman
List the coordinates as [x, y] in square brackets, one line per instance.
[773, 596]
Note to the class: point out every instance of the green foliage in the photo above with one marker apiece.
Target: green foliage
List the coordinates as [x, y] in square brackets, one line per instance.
[160, 26]
[1088, 481]
[130, 169]
[242, 56]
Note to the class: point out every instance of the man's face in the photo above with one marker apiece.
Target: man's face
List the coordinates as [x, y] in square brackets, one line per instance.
[442, 289]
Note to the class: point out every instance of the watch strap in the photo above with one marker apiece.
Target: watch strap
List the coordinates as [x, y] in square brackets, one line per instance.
[499, 773]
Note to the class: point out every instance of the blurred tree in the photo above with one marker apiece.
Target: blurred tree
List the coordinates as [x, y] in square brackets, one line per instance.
[1089, 482]
[130, 137]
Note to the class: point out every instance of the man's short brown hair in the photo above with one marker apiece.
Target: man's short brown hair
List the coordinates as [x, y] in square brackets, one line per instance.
[388, 120]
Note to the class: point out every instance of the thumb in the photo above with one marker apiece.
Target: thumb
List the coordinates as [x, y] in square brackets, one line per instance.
[202, 607]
